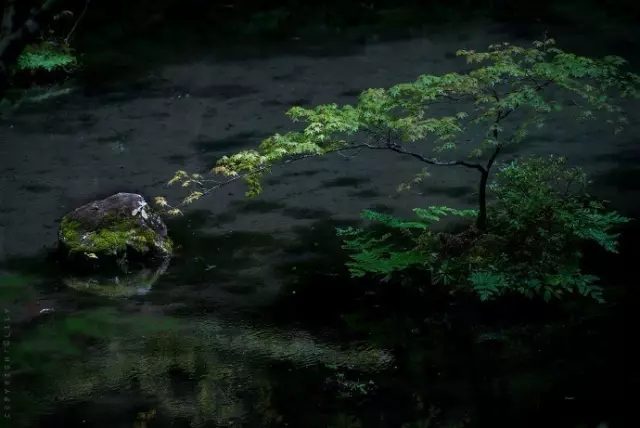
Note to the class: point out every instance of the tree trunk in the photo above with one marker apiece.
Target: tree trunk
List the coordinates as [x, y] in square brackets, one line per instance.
[481, 220]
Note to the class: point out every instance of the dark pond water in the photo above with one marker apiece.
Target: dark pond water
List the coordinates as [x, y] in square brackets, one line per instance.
[255, 323]
[329, 352]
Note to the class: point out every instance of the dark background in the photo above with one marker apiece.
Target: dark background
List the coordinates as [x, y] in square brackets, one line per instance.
[45, 166]
[119, 35]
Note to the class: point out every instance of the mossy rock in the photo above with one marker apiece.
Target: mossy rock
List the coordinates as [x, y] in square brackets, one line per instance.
[118, 229]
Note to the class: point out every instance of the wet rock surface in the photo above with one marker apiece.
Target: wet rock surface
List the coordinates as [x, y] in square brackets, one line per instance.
[120, 228]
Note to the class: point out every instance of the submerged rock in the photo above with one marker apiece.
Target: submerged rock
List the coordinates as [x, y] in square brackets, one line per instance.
[120, 228]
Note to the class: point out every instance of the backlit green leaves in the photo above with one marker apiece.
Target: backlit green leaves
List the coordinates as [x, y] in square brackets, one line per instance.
[48, 57]
[534, 81]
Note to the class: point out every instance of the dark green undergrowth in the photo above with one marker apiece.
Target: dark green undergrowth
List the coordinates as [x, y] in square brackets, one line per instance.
[538, 225]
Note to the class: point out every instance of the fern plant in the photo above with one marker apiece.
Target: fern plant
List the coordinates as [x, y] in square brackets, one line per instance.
[47, 56]
[51, 52]
[376, 254]
[540, 219]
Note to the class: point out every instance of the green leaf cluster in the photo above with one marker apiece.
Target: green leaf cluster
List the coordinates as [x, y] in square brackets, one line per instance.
[504, 79]
[47, 56]
[380, 253]
[540, 220]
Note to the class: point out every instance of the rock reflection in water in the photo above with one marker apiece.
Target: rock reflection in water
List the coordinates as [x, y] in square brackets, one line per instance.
[125, 284]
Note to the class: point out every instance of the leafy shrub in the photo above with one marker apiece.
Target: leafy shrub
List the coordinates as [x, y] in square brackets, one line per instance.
[52, 52]
[47, 61]
[47, 56]
[540, 219]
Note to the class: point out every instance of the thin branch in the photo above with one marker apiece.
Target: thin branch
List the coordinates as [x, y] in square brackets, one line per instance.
[431, 161]
[492, 159]
[391, 146]
[349, 157]
[75, 25]
[250, 173]
[386, 143]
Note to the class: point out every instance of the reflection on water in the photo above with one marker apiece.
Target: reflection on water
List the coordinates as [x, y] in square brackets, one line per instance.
[87, 356]
[122, 284]
[298, 347]
[200, 371]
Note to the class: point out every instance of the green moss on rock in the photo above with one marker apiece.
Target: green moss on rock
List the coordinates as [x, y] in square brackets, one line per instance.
[113, 236]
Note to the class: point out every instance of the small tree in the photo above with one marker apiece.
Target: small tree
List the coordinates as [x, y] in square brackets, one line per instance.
[507, 80]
